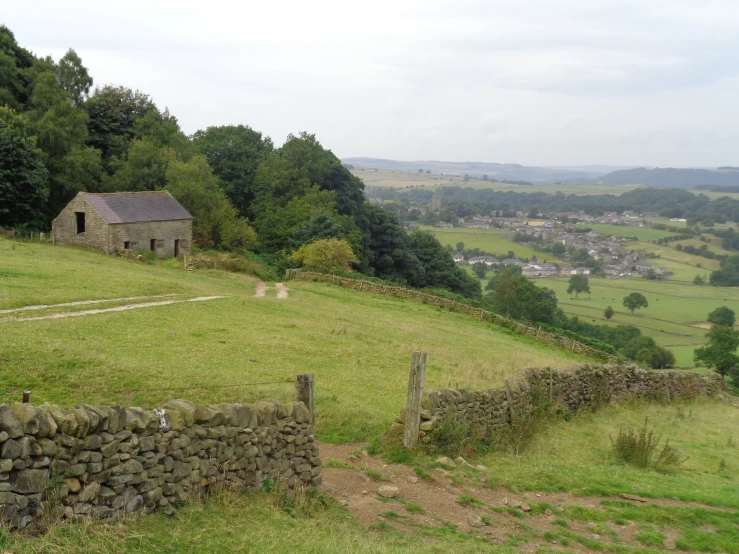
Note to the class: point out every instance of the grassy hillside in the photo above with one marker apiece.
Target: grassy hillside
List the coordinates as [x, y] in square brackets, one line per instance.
[357, 345]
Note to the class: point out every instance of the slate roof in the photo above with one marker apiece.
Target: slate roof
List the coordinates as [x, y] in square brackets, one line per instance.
[136, 207]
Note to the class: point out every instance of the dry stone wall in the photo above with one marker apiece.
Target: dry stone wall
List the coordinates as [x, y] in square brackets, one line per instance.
[478, 313]
[489, 411]
[92, 462]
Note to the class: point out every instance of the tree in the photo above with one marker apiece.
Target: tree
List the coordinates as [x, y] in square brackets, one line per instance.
[515, 296]
[235, 152]
[635, 300]
[326, 255]
[460, 246]
[439, 269]
[113, 112]
[73, 77]
[578, 284]
[720, 350]
[698, 280]
[215, 221]
[23, 177]
[480, 269]
[728, 275]
[609, 312]
[722, 316]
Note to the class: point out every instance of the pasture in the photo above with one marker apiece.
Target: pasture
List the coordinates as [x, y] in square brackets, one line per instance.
[401, 179]
[641, 233]
[675, 317]
[221, 347]
[490, 240]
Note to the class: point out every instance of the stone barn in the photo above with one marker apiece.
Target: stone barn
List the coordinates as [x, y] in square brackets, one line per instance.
[132, 220]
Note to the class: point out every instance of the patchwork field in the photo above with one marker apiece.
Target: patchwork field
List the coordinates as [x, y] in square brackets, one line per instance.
[399, 179]
[146, 356]
[641, 233]
[489, 240]
[675, 317]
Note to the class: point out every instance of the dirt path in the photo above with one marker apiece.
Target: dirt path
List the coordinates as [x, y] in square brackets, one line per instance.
[80, 303]
[115, 309]
[435, 502]
[261, 290]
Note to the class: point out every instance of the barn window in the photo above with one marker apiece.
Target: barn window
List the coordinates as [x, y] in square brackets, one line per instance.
[80, 222]
[127, 245]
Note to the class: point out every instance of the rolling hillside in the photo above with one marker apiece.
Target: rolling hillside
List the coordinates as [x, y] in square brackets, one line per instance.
[213, 350]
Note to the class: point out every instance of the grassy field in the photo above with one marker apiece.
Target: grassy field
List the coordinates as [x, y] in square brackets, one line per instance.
[675, 312]
[489, 240]
[400, 179]
[143, 356]
[642, 233]
[684, 266]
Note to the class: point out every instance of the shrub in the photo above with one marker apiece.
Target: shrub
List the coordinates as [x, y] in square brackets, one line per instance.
[325, 255]
[642, 448]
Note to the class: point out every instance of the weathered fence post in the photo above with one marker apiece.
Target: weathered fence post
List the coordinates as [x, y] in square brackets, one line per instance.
[26, 396]
[304, 392]
[415, 396]
[511, 407]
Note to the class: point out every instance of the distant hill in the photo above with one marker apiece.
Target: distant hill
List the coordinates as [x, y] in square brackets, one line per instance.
[497, 171]
[673, 178]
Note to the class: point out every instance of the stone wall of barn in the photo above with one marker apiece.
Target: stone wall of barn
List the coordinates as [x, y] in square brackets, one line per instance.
[93, 462]
[164, 233]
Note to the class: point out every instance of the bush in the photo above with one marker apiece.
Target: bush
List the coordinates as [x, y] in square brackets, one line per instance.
[639, 448]
[325, 255]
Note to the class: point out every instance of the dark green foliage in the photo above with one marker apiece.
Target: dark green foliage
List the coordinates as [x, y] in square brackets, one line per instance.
[609, 312]
[517, 297]
[439, 269]
[722, 316]
[728, 275]
[235, 152]
[635, 300]
[698, 280]
[720, 351]
[578, 284]
[23, 177]
[480, 269]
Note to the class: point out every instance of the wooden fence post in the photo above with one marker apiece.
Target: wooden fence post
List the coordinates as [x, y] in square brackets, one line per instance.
[26, 396]
[511, 408]
[304, 392]
[415, 396]
[551, 385]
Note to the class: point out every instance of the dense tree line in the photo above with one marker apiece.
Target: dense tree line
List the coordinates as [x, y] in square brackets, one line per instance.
[59, 136]
[460, 202]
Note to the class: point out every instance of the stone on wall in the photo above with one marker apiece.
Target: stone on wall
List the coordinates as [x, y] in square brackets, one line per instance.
[93, 462]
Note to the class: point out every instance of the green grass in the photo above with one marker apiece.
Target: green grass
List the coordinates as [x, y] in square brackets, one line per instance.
[577, 457]
[403, 179]
[358, 345]
[643, 234]
[675, 312]
[494, 241]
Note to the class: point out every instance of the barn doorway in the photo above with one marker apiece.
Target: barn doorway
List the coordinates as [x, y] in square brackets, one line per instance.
[79, 222]
[153, 245]
[176, 247]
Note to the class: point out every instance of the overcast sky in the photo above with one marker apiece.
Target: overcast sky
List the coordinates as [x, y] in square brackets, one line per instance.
[560, 82]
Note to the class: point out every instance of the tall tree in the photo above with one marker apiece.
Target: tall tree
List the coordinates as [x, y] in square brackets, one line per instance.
[74, 77]
[113, 113]
[517, 297]
[720, 351]
[635, 300]
[16, 65]
[23, 177]
[439, 269]
[235, 152]
[578, 284]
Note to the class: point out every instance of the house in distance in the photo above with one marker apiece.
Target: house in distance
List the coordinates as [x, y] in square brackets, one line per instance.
[131, 220]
